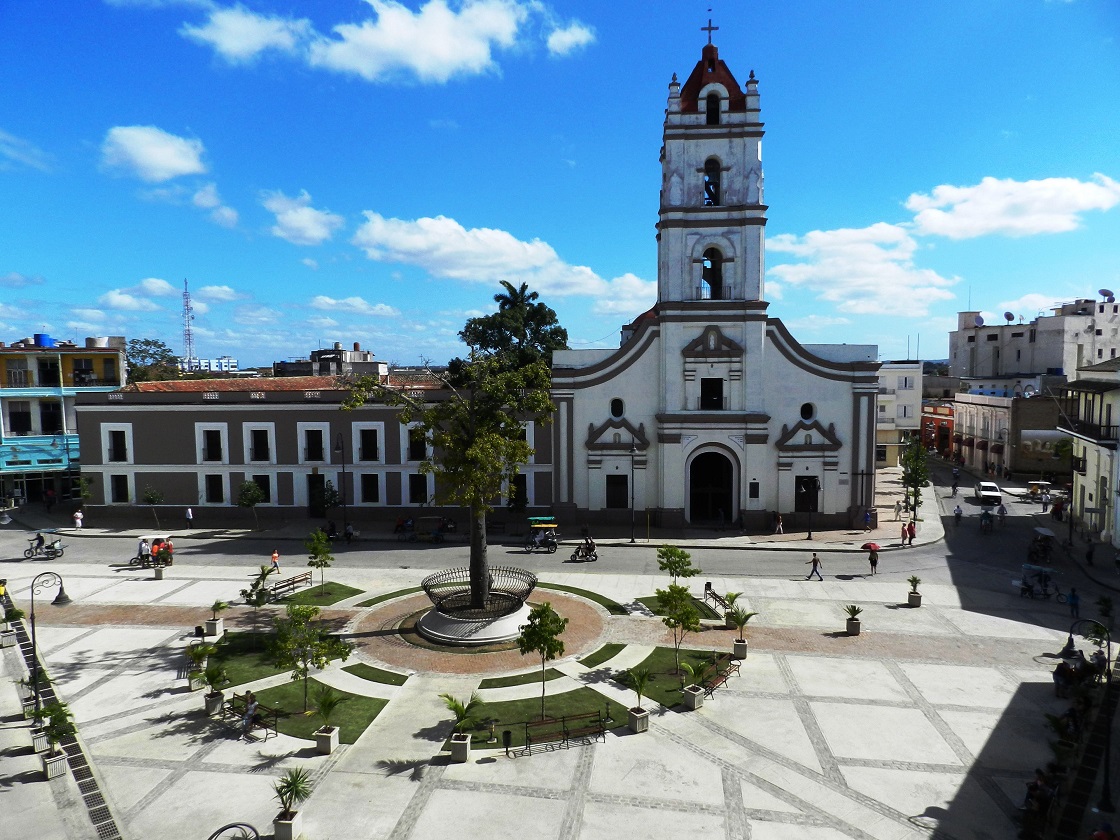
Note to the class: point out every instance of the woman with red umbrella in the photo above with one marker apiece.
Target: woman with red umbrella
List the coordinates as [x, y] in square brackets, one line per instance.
[872, 556]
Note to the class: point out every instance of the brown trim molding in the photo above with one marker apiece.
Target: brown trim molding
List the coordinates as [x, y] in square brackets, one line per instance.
[692, 418]
[627, 355]
[637, 436]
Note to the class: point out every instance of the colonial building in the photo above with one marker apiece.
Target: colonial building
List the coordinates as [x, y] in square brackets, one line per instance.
[710, 409]
[899, 409]
[1091, 417]
[40, 378]
[995, 434]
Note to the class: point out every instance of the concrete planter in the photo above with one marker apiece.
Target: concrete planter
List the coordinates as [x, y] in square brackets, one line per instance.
[29, 708]
[158, 573]
[638, 720]
[729, 620]
[196, 681]
[288, 829]
[693, 697]
[39, 741]
[853, 626]
[7, 638]
[739, 649]
[215, 627]
[461, 747]
[914, 599]
[326, 740]
[54, 765]
[214, 702]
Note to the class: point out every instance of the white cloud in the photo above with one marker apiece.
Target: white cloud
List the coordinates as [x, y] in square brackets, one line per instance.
[207, 198]
[15, 280]
[353, 305]
[322, 323]
[88, 314]
[297, 221]
[562, 42]
[84, 326]
[434, 44]
[1028, 306]
[117, 299]
[153, 287]
[200, 307]
[258, 315]
[626, 295]
[1011, 208]
[239, 35]
[151, 153]
[15, 151]
[310, 263]
[224, 216]
[219, 293]
[865, 270]
[817, 322]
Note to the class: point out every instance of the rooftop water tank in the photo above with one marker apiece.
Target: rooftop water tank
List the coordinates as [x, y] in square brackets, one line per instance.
[43, 340]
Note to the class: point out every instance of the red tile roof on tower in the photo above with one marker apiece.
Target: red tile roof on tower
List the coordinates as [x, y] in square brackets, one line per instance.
[708, 70]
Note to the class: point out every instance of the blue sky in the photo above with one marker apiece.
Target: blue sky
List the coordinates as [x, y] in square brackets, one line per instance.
[365, 170]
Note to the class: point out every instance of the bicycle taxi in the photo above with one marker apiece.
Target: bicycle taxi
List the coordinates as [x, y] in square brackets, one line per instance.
[544, 534]
[1042, 545]
[161, 551]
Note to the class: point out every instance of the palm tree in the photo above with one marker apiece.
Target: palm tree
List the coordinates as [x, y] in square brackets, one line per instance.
[466, 714]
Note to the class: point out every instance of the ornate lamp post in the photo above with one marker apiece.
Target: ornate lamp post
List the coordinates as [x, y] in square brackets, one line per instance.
[341, 450]
[811, 488]
[633, 452]
[1070, 650]
[40, 583]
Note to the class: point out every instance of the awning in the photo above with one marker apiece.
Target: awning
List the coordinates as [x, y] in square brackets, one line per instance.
[968, 441]
[997, 449]
[983, 444]
[958, 437]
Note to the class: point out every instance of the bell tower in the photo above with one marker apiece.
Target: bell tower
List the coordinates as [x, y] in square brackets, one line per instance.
[711, 220]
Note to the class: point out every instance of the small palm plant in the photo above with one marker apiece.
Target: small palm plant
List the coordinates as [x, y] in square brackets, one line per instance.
[853, 611]
[741, 616]
[292, 790]
[914, 582]
[13, 614]
[327, 701]
[466, 714]
[638, 678]
[215, 677]
[58, 724]
[217, 607]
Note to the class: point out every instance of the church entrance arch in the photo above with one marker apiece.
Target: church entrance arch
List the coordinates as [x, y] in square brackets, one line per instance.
[711, 488]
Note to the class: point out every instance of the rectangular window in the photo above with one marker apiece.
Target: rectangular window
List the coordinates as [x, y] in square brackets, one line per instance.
[417, 445]
[215, 489]
[118, 489]
[618, 492]
[711, 394]
[367, 445]
[50, 417]
[48, 373]
[19, 417]
[1017, 335]
[118, 445]
[518, 492]
[313, 444]
[211, 445]
[971, 339]
[906, 383]
[993, 337]
[259, 449]
[417, 489]
[110, 374]
[882, 408]
[752, 490]
[265, 483]
[906, 411]
[83, 371]
[371, 489]
[881, 454]
[18, 375]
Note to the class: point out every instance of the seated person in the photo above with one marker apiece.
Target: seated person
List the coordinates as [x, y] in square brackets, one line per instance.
[40, 540]
[348, 532]
[588, 546]
[538, 536]
[332, 530]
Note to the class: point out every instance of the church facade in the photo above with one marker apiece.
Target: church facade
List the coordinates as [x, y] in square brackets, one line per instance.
[710, 411]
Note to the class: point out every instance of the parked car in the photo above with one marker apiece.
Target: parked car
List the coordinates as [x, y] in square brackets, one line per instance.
[988, 493]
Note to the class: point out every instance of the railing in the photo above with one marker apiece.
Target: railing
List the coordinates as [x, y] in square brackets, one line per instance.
[26, 379]
[886, 390]
[1094, 431]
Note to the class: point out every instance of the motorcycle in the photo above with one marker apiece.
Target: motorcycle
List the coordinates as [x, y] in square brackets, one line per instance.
[50, 550]
[583, 553]
[547, 543]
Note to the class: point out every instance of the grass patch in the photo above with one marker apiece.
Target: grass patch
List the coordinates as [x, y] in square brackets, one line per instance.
[513, 714]
[377, 675]
[244, 656]
[323, 595]
[704, 610]
[352, 717]
[600, 656]
[613, 607]
[388, 596]
[519, 679]
[665, 685]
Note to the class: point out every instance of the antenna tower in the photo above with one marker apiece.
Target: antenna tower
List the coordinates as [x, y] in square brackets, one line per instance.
[188, 333]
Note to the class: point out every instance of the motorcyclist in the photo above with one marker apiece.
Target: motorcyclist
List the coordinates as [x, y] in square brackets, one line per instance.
[957, 514]
[588, 547]
[954, 487]
[40, 541]
[1001, 511]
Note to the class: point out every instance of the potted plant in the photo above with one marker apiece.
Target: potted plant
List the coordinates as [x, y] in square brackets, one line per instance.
[215, 677]
[7, 632]
[853, 618]
[638, 718]
[198, 654]
[466, 717]
[693, 694]
[27, 693]
[914, 597]
[58, 724]
[326, 702]
[292, 790]
[215, 626]
[729, 613]
[740, 617]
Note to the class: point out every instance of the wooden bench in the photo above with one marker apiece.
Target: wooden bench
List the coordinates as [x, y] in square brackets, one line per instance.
[588, 727]
[711, 595]
[716, 674]
[265, 718]
[287, 587]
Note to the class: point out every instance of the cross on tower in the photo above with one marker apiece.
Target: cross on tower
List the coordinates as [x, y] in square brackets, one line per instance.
[709, 29]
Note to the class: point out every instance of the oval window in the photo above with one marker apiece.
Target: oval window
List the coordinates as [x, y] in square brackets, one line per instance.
[807, 411]
[617, 408]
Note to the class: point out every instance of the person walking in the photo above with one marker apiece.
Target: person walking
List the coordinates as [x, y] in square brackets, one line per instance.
[1074, 604]
[778, 524]
[897, 510]
[957, 514]
[911, 531]
[873, 559]
[78, 517]
[905, 534]
[275, 561]
[48, 497]
[1045, 500]
[867, 520]
[190, 518]
[816, 570]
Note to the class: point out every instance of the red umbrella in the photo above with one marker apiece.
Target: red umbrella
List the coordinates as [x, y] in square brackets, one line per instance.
[870, 546]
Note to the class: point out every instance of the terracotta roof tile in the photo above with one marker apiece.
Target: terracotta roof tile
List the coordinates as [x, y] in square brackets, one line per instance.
[277, 383]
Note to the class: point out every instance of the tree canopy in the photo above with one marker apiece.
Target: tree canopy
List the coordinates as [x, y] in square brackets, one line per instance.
[150, 360]
[915, 471]
[523, 330]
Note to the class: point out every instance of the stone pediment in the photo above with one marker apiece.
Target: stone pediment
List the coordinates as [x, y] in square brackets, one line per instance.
[712, 344]
[602, 438]
[806, 436]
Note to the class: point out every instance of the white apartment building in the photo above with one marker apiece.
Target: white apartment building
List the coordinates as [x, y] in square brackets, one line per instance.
[898, 413]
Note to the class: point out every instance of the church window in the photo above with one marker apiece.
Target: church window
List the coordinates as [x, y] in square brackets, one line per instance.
[807, 411]
[711, 182]
[752, 490]
[711, 393]
[617, 492]
[617, 408]
[713, 109]
[808, 440]
[712, 286]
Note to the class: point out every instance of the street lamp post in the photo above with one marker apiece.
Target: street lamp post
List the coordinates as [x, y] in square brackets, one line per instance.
[633, 452]
[811, 488]
[40, 583]
[1104, 805]
[341, 450]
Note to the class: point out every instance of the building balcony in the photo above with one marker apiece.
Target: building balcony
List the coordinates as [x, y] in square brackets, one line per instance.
[38, 453]
[1090, 431]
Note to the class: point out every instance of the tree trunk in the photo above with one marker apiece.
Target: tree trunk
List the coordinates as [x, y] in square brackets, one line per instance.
[480, 569]
[156, 516]
[542, 687]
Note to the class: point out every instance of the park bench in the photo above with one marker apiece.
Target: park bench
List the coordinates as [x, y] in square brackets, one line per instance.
[711, 595]
[587, 728]
[266, 718]
[290, 585]
[716, 674]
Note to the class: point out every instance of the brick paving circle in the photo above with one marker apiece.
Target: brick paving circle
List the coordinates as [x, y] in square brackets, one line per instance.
[375, 636]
